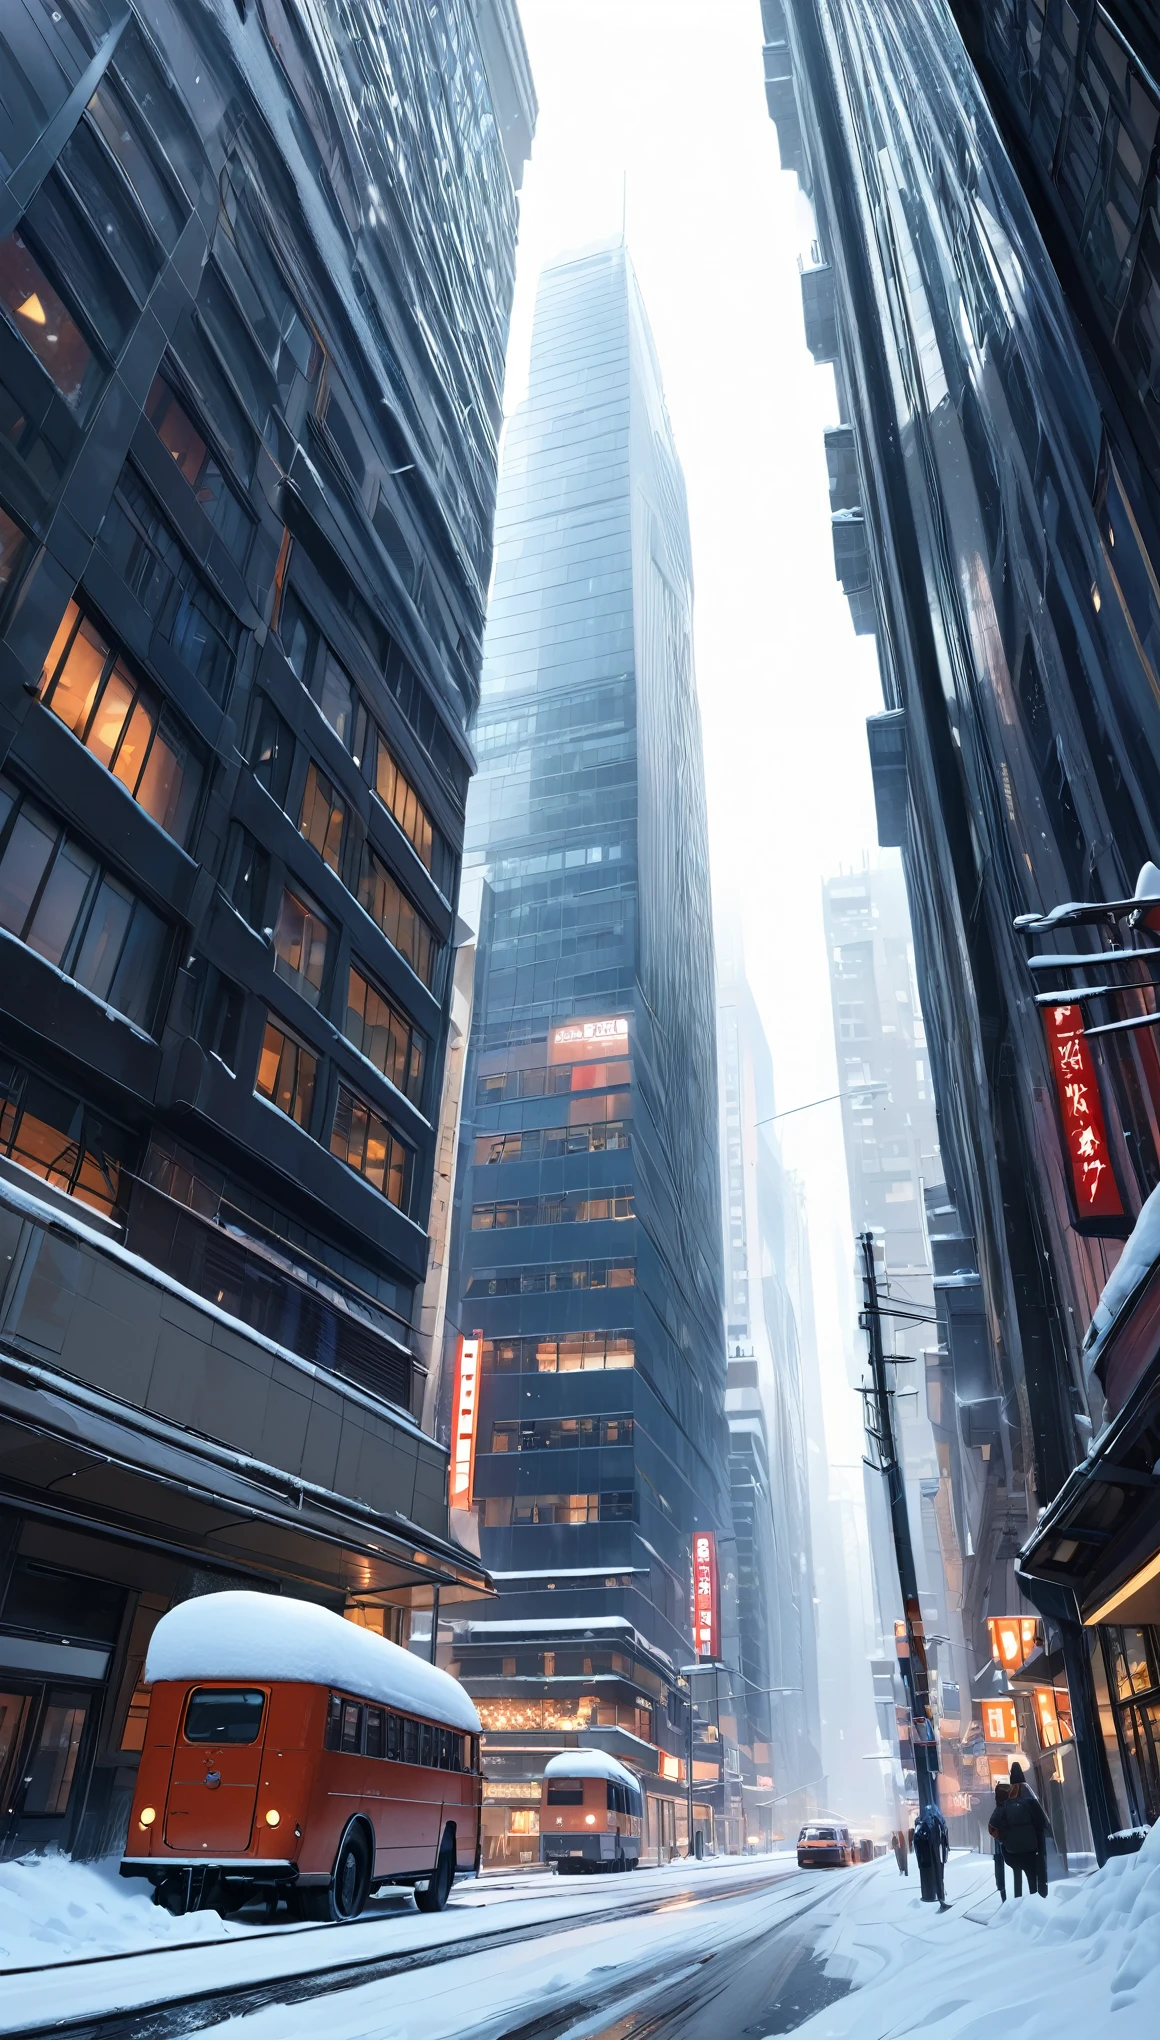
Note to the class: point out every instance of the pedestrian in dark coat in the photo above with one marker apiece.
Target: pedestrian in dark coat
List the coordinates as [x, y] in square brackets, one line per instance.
[932, 1843]
[898, 1844]
[1001, 1791]
[1021, 1828]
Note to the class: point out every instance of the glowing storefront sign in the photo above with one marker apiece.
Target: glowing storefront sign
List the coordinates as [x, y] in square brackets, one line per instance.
[706, 1610]
[465, 1410]
[999, 1722]
[1078, 1093]
[1013, 1638]
[573, 1040]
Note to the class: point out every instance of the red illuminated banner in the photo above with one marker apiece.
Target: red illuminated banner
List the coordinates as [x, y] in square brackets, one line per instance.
[1094, 1185]
[464, 1410]
[706, 1601]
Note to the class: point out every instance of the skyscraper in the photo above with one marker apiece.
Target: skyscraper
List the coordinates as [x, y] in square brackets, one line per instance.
[895, 1175]
[985, 289]
[765, 1402]
[589, 1133]
[254, 291]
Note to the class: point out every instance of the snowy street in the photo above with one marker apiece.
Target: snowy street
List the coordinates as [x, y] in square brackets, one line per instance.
[744, 1948]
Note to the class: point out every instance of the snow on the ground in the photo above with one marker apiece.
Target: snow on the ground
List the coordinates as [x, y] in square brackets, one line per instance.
[56, 1915]
[55, 1910]
[1082, 1963]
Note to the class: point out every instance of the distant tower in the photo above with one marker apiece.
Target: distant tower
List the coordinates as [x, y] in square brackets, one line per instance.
[589, 1136]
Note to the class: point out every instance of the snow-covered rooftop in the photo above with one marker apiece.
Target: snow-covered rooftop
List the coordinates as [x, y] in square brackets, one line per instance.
[271, 1636]
[589, 1764]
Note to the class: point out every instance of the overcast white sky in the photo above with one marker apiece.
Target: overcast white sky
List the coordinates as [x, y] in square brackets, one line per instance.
[671, 93]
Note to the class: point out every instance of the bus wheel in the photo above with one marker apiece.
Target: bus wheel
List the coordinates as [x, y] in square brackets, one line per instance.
[350, 1882]
[438, 1890]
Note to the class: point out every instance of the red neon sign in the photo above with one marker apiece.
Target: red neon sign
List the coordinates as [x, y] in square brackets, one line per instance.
[1077, 1091]
[464, 1411]
[706, 1599]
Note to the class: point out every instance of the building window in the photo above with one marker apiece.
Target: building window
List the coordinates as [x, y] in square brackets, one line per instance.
[220, 1024]
[536, 1081]
[55, 1137]
[286, 1074]
[44, 323]
[558, 1434]
[202, 631]
[574, 1353]
[568, 1208]
[183, 442]
[331, 689]
[59, 899]
[124, 724]
[398, 796]
[385, 1036]
[300, 945]
[547, 1142]
[362, 1139]
[323, 676]
[504, 1511]
[12, 539]
[246, 875]
[402, 924]
[322, 817]
[126, 140]
[551, 1278]
[270, 749]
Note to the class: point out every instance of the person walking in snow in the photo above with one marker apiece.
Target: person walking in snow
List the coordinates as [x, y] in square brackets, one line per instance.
[931, 1847]
[1021, 1828]
[1002, 1789]
[898, 1844]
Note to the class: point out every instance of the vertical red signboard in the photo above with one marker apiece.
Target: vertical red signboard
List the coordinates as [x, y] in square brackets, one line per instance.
[464, 1410]
[706, 1601]
[1093, 1182]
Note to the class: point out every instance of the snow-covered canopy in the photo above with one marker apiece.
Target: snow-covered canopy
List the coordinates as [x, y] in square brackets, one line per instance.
[1141, 1251]
[270, 1636]
[589, 1764]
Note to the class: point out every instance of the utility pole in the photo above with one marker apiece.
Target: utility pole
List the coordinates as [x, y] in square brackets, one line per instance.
[878, 1406]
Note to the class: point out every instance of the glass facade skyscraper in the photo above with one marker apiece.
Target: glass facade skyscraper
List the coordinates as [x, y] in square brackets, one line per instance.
[587, 1233]
[985, 288]
[255, 278]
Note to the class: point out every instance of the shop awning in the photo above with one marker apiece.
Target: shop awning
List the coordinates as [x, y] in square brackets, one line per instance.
[1100, 1537]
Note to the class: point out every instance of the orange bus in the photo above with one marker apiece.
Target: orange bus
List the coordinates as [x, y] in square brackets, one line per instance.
[289, 1753]
[591, 1813]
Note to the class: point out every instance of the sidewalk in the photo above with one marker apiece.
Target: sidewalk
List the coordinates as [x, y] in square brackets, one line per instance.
[1054, 1969]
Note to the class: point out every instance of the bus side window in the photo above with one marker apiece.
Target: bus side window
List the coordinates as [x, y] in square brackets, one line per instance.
[475, 1753]
[374, 1742]
[429, 1745]
[351, 1727]
[410, 1741]
[331, 1739]
[395, 1738]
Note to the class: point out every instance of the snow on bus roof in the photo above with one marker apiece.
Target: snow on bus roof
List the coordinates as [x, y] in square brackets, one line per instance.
[589, 1764]
[270, 1636]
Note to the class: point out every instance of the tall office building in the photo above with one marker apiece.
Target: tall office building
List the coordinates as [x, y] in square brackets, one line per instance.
[589, 1132]
[895, 1174]
[985, 288]
[765, 1402]
[254, 292]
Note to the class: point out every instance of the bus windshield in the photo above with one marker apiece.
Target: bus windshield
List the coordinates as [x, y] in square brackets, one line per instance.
[224, 1714]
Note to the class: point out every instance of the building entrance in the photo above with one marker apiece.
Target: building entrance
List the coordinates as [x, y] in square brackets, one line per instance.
[44, 1737]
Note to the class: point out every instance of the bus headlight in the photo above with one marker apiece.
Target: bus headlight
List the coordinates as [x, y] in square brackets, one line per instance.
[147, 1816]
[273, 1817]
[590, 1820]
